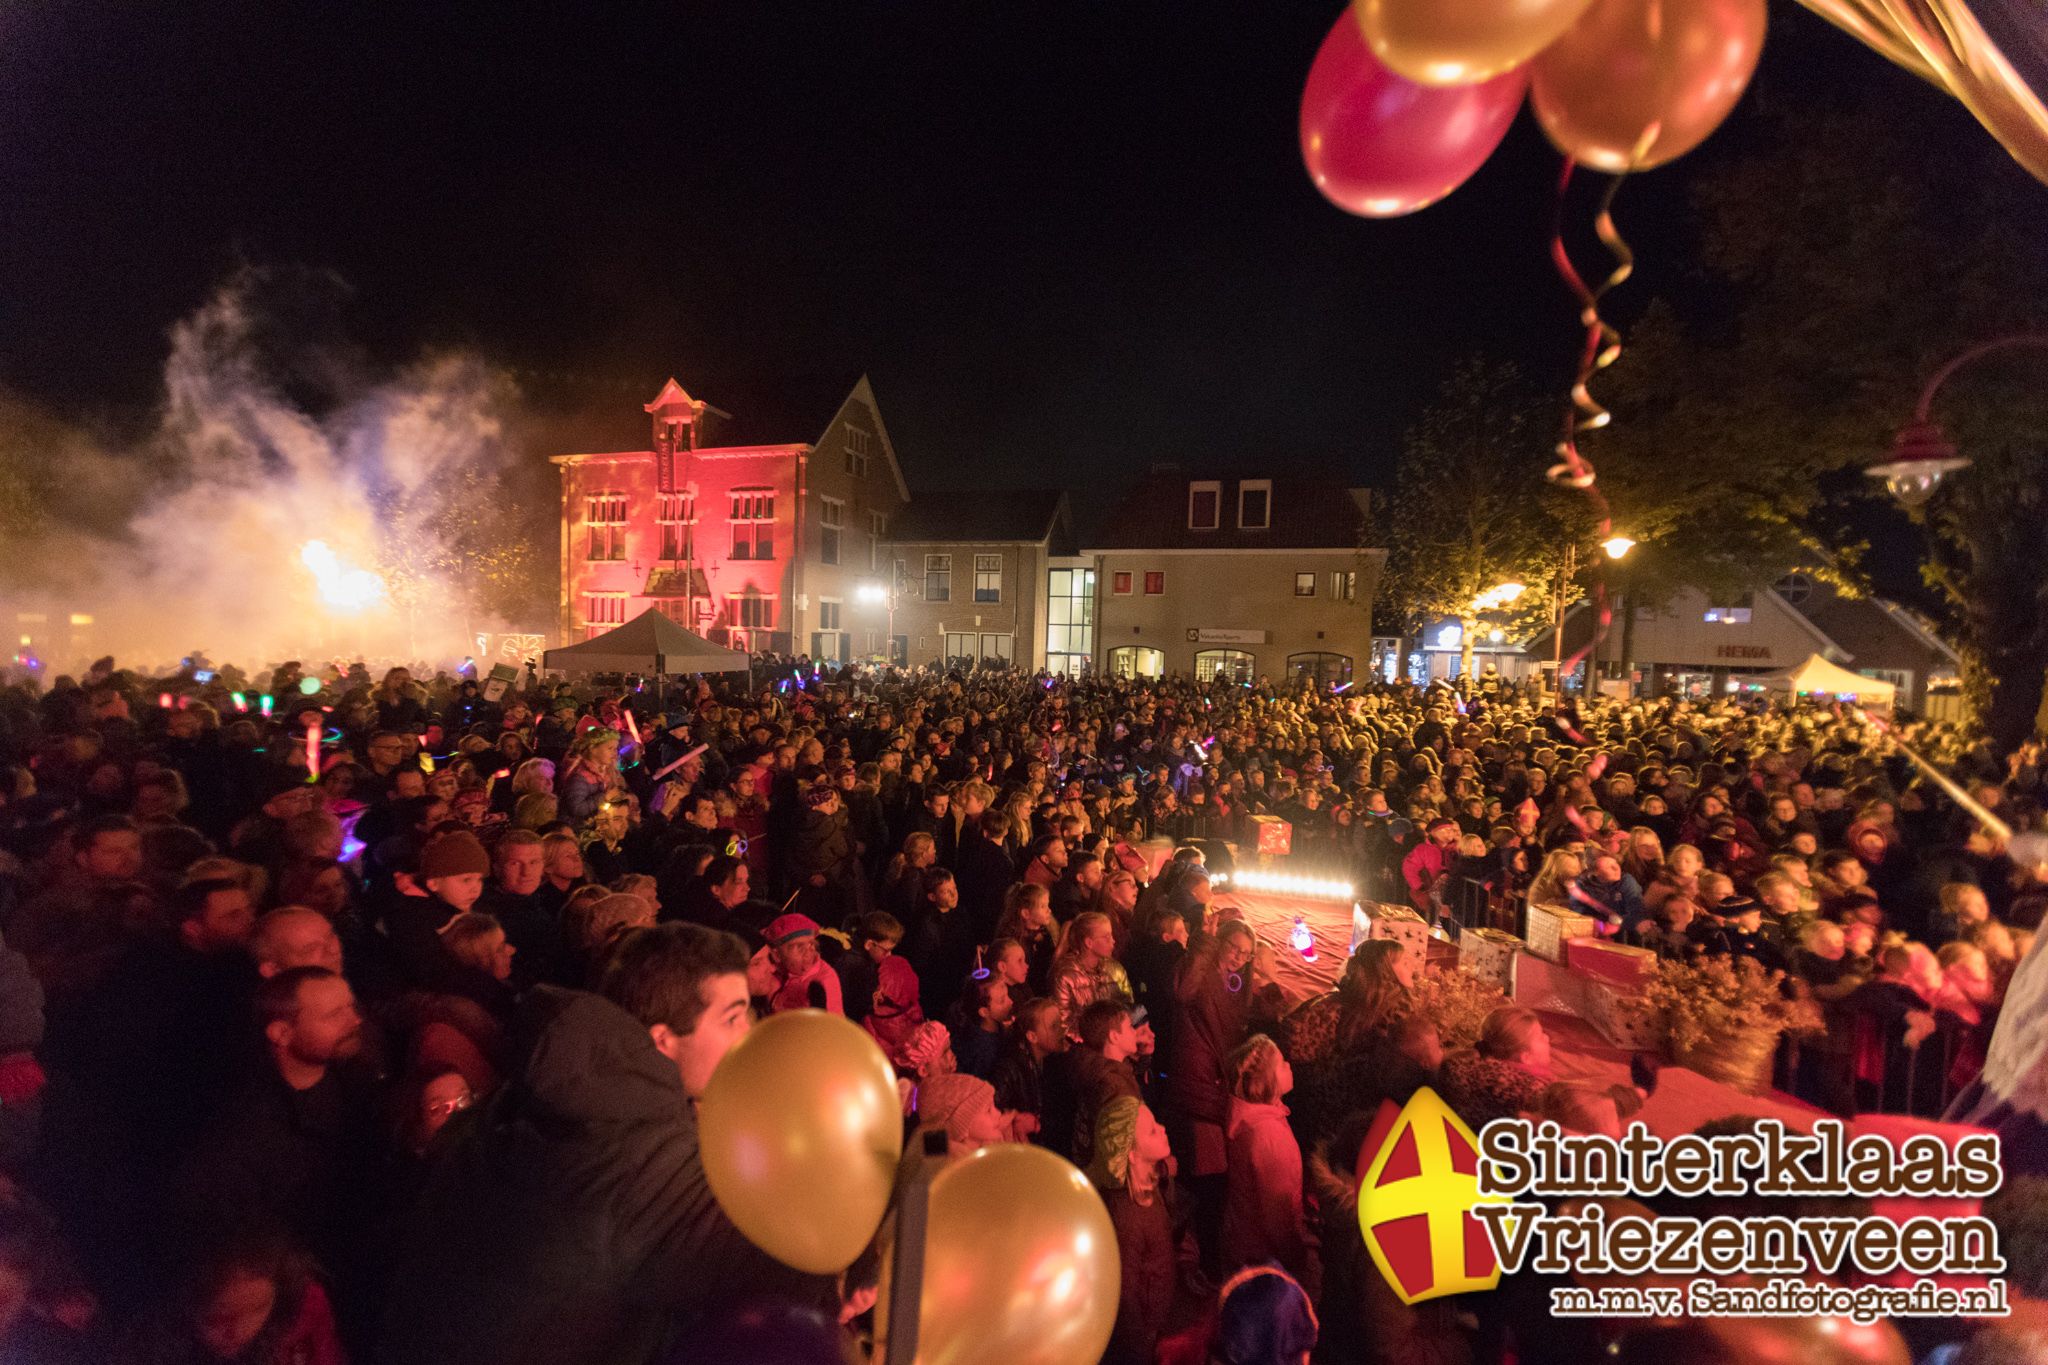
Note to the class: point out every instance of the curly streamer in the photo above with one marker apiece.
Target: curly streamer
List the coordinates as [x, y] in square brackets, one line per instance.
[1584, 413]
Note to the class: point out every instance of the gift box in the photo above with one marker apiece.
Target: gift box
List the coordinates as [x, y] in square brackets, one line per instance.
[1489, 954]
[1616, 1011]
[1276, 836]
[1627, 968]
[1403, 925]
[1551, 925]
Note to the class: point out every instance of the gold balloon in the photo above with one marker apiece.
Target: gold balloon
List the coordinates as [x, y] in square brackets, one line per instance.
[1461, 42]
[1020, 1264]
[801, 1131]
[1636, 83]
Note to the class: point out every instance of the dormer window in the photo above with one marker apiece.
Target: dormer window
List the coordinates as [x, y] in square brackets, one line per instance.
[1205, 506]
[1254, 504]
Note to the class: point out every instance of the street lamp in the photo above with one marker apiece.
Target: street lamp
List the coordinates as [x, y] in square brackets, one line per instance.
[880, 594]
[1921, 456]
[1617, 546]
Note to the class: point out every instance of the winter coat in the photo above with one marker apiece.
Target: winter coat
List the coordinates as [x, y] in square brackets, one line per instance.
[1262, 1213]
[1210, 1021]
[571, 1222]
[1145, 1248]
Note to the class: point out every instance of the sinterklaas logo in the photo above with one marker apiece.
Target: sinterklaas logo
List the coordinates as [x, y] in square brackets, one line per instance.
[1415, 1206]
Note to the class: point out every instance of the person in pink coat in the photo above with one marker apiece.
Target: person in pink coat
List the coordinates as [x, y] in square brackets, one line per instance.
[1263, 1218]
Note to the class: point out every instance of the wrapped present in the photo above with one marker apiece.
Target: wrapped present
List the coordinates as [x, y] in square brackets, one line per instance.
[1549, 927]
[1626, 967]
[1489, 954]
[1276, 836]
[1400, 923]
[1618, 1013]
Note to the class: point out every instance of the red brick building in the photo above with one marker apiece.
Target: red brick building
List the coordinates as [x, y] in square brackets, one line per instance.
[758, 546]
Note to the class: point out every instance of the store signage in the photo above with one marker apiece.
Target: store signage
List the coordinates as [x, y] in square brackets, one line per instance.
[1742, 651]
[1198, 635]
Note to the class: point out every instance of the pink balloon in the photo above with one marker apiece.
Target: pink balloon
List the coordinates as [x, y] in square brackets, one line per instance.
[1379, 145]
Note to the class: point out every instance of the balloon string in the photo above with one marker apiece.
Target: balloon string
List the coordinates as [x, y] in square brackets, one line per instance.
[1601, 349]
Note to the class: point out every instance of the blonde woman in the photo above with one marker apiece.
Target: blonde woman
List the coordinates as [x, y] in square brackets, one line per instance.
[1129, 1168]
[589, 775]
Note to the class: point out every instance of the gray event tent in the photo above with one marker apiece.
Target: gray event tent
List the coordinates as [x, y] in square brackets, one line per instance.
[649, 643]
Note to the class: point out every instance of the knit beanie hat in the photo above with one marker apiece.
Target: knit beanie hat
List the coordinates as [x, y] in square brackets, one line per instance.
[929, 1041]
[954, 1102]
[452, 855]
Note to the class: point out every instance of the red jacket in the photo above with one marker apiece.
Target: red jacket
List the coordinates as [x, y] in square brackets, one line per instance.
[1421, 868]
[1262, 1212]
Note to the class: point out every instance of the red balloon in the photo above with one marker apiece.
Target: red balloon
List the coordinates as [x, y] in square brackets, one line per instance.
[1380, 145]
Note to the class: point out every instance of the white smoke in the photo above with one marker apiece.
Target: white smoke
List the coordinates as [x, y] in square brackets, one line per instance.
[404, 483]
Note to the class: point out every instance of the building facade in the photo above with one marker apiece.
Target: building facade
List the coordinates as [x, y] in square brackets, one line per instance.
[758, 547]
[1234, 578]
[1700, 644]
[973, 578]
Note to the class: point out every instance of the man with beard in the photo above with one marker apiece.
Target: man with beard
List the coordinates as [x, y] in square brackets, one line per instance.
[297, 1143]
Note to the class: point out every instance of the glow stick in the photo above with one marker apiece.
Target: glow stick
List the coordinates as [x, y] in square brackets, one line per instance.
[266, 701]
[1941, 779]
[633, 728]
[312, 752]
[679, 762]
[163, 699]
[241, 703]
[427, 763]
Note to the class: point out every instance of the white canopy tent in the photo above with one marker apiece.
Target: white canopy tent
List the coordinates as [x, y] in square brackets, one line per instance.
[649, 643]
[1819, 676]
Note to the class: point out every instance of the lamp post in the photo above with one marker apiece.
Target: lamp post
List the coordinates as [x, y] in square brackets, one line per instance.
[879, 594]
[1921, 455]
[1617, 548]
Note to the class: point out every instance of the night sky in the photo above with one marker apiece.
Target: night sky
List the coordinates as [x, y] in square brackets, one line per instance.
[1065, 240]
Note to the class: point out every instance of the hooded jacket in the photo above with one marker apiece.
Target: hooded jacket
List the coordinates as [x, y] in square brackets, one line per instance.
[571, 1221]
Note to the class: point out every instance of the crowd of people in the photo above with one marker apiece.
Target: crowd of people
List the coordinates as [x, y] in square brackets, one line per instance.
[363, 1019]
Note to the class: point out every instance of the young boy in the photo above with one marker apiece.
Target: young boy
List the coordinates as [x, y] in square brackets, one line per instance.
[860, 971]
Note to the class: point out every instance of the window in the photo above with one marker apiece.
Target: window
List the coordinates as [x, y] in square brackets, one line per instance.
[828, 614]
[998, 648]
[831, 517]
[1254, 504]
[1155, 582]
[602, 611]
[1321, 669]
[605, 515]
[857, 446]
[1205, 506]
[752, 611]
[938, 578]
[1794, 588]
[1120, 584]
[988, 578]
[1070, 620]
[675, 609]
[753, 523]
[1344, 585]
[1135, 661]
[1304, 585]
[677, 513]
[1735, 614]
[1225, 665]
[878, 531]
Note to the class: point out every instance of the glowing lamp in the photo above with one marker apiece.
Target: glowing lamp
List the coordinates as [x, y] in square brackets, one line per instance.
[265, 702]
[1617, 546]
[241, 702]
[1921, 458]
[1304, 942]
[308, 686]
[163, 699]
